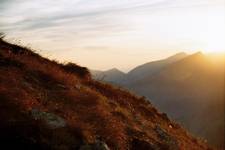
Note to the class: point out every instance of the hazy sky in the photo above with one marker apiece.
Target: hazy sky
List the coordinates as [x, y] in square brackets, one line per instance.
[102, 34]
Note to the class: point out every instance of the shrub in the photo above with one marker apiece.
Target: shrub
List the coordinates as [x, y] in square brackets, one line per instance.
[2, 35]
[82, 72]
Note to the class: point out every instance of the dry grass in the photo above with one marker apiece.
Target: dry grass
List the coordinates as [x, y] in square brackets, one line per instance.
[92, 110]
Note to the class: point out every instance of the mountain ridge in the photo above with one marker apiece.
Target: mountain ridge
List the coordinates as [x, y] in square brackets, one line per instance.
[48, 105]
[187, 90]
[154, 66]
[137, 71]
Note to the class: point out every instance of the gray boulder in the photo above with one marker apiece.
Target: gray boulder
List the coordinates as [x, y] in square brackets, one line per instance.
[51, 119]
[98, 145]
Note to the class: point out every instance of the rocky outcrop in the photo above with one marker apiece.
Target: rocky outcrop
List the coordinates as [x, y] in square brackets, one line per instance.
[170, 143]
[52, 120]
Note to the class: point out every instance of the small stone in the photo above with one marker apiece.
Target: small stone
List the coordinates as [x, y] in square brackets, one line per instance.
[98, 145]
[51, 119]
[62, 86]
[78, 86]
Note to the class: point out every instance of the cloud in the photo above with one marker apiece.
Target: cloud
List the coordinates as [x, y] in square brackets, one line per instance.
[28, 15]
[36, 14]
[80, 20]
[96, 48]
[94, 31]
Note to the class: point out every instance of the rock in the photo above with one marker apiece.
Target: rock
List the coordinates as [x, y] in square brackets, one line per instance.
[165, 117]
[51, 119]
[78, 86]
[61, 86]
[141, 144]
[98, 145]
[170, 126]
[169, 142]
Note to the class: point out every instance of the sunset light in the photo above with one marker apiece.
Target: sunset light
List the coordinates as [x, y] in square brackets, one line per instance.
[88, 32]
[112, 74]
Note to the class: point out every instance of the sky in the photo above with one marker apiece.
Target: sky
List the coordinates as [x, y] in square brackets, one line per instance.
[104, 34]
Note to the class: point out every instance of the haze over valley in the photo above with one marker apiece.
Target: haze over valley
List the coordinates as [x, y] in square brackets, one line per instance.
[112, 74]
[189, 88]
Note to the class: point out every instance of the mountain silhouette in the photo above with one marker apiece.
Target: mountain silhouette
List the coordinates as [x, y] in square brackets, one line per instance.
[190, 89]
[151, 68]
[48, 105]
[113, 75]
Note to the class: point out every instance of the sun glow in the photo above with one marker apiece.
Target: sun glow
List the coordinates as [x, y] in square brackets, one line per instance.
[215, 42]
[215, 46]
[135, 32]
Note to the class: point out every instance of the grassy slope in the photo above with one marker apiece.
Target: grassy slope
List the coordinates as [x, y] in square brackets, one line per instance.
[91, 110]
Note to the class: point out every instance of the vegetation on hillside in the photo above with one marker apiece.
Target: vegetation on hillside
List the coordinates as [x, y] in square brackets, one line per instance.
[48, 105]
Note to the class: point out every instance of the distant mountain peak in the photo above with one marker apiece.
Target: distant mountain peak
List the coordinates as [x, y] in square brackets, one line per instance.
[199, 53]
[197, 56]
[115, 70]
[178, 55]
[153, 67]
[75, 111]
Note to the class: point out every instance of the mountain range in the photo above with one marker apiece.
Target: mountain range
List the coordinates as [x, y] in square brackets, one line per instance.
[113, 75]
[48, 105]
[189, 88]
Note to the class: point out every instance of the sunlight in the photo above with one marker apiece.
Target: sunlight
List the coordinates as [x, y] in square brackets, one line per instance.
[215, 45]
[215, 37]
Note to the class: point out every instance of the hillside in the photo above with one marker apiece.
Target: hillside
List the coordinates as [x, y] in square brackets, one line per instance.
[47, 105]
[191, 91]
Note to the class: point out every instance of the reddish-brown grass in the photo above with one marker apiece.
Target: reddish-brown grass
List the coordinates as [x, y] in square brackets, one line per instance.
[92, 110]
